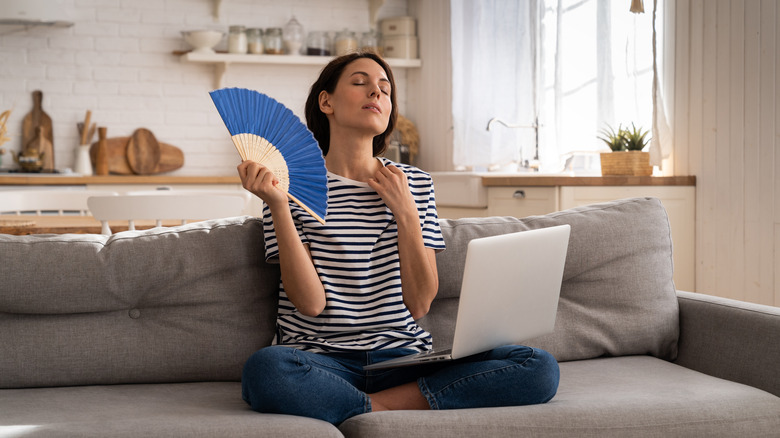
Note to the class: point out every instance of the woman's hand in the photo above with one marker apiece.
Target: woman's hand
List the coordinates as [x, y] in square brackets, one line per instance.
[301, 282]
[419, 275]
[260, 181]
[392, 186]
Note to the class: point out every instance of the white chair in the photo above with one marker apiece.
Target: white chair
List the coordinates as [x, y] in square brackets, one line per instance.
[173, 206]
[48, 202]
[243, 194]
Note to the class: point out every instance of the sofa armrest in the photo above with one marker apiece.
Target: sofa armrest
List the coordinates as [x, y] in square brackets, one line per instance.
[730, 339]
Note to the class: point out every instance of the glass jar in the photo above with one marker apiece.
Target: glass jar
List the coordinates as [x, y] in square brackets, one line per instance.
[346, 42]
[318, 44]
[272, 41]
[237, 40]
[254, 39]
[293, 37]
[369, 41]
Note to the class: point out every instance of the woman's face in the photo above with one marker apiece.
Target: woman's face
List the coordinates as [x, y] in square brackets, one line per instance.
[361, 99]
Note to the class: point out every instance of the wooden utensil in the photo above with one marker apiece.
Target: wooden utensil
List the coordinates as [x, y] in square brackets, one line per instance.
[143, 152]
[171, 157]
[37, 117]
[101, 160]
[85, 129]
[90, 133]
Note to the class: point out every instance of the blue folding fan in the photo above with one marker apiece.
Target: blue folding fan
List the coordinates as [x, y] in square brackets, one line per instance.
[266, 131]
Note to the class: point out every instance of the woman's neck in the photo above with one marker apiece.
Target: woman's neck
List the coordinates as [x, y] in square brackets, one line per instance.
[353, 160]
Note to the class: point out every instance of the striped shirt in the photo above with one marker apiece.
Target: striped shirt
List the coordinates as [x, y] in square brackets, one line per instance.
[356, 256]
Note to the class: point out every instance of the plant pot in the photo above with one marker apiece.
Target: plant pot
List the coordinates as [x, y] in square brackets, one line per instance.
[633, 163]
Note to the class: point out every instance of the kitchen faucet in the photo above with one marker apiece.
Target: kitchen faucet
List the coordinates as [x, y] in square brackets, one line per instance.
[535, 126]
[497, 120]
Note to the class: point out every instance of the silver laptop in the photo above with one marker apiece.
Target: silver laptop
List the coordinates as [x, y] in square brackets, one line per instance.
[511, 284]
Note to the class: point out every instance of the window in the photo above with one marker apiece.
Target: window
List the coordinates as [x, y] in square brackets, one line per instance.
[555, 71]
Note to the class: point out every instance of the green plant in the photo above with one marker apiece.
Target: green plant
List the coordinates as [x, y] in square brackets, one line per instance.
[636, 138]
[616, 140]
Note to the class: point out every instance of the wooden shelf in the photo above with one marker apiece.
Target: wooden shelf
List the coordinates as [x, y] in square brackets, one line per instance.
[41, 179]
[223, 60]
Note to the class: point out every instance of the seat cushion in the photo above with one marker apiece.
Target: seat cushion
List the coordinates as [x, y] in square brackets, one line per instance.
[209, 409]
[636, 396]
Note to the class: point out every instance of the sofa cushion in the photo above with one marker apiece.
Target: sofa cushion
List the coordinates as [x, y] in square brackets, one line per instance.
[634, 396]
[208, 409]
[617, 297]
[176, 304]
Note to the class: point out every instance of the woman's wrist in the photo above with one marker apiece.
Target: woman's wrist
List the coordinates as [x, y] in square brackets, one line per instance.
[407, 218]
[277, 203]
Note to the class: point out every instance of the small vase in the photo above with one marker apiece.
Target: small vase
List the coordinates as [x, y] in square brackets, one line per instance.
[83, 162]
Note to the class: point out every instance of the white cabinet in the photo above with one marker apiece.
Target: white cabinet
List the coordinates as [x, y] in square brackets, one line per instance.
[458, 212]
[522, 201]
[680, 205]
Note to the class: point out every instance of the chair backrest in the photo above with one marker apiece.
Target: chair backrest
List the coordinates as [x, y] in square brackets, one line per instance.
[171, 206]
[243, 194]
[48, 201]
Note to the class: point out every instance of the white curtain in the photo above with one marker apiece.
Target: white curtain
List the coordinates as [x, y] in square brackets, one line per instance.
[493, 76]
[661, 144]
[576, 66]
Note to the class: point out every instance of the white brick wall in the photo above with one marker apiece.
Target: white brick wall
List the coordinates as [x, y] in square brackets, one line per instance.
[117, 61]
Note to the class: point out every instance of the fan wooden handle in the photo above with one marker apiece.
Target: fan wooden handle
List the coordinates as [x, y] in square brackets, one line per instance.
[303, 206]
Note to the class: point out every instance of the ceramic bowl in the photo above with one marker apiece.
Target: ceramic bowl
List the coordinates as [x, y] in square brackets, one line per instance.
[203, 41]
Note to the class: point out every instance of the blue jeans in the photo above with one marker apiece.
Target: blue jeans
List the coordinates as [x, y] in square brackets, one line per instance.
[333, 386]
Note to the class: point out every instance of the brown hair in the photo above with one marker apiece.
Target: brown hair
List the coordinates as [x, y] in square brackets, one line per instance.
[317, 121]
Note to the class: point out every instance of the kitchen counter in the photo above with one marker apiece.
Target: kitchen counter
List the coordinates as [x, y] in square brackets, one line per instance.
[470, 189]
[565, 180]
[486, 180]
[21, 179]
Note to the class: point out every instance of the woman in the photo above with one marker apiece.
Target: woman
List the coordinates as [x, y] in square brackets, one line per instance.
[352, 289]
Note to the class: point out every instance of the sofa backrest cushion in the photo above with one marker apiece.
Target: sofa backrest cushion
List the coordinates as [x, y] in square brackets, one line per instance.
[187, 303]
[192, 303]
[617, 298]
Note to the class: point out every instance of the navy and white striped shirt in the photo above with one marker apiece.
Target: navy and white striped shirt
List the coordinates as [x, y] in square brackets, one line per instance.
[356, 256]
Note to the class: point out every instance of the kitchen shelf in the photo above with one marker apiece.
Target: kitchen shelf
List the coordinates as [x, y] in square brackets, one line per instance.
[223, 60]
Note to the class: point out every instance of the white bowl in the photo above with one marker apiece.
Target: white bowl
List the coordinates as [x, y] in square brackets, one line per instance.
[203, 40]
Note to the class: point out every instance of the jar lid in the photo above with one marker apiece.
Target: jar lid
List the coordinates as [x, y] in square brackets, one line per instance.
[293, 24]
[237, 28]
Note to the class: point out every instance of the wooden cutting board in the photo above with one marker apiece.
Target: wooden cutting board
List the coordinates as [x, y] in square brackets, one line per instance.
[171, 157]
[143, 152]
[35, 119]
[41, 143]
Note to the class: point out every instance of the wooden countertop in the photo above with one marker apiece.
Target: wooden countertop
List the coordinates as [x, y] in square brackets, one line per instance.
[487, 180]
[532, 180]
[49, 180]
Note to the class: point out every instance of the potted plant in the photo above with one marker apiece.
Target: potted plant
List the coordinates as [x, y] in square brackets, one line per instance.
[627, 157]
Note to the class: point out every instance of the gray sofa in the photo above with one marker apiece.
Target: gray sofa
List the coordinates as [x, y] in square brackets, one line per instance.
[145, 333]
